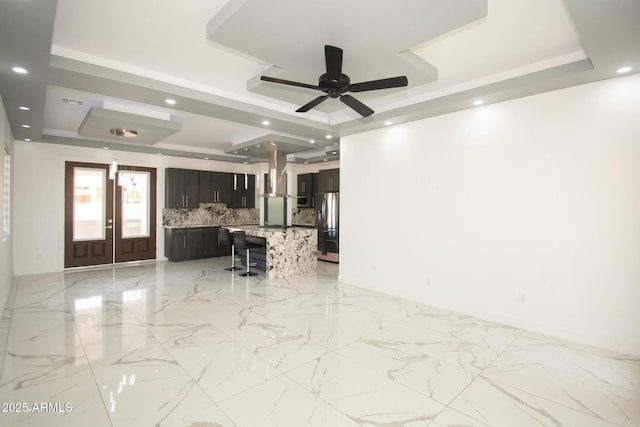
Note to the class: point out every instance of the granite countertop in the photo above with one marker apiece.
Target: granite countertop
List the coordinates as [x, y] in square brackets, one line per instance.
[206, 225]
[258, 231]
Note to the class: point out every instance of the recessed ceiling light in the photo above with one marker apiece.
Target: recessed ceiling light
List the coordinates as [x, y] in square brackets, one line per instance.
[306, 163]
[26, 126]
[246, 163]
[170, 101]
[623, 70]
[334, 152]
[266, 122]
[328, 136]
[105, 148]
[478, 102]
[127, 133]
[206, 158]
[312, 141]
[324, 160]
[388, 123]
[23, 108]
[19, 70]
[159, 154]
[28, 139]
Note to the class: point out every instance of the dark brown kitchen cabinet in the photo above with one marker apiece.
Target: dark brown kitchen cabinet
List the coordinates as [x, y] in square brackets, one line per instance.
[211, 248]
[181, 244]
[182, 188]
[244, 191]
[328, 181]
[305, 184]
[215, 187]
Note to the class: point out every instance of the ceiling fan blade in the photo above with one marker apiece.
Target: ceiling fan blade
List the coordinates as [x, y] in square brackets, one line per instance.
[358, 106]
[308, 106]
[389, 83]
[288, 82]
[333, 58]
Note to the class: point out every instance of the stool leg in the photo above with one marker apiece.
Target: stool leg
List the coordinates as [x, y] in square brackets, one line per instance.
[233, 260]
[248, 272]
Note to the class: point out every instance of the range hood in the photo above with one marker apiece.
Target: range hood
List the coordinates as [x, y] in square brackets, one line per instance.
[277, 176]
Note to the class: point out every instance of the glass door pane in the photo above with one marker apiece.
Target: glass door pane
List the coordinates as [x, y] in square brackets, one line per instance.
[89, 200]
[135, 203]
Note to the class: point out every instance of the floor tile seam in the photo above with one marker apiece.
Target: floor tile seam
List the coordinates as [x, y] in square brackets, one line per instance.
[575, 376]
[519, 331]
[475, 372]
[588, 379]
[316, 396]
[575, 346]
[596, 356]
[376, 373]
[541, 397]
[93, 375]
[197, 383]
[219, 402]
[475, 378]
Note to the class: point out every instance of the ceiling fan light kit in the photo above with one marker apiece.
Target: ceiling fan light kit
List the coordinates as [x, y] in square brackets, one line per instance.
[334, 84]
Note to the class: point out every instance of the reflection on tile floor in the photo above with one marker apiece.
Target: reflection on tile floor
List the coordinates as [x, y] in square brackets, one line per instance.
[190, 344]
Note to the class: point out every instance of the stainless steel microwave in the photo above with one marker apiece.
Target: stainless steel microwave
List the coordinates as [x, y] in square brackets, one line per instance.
[304, 202]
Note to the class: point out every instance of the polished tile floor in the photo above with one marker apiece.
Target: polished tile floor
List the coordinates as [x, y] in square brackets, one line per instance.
[189, 344]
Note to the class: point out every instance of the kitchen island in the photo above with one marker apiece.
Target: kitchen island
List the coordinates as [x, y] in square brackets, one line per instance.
[289, 252]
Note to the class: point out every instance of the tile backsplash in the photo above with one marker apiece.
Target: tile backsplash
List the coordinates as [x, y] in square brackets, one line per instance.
[210, 214]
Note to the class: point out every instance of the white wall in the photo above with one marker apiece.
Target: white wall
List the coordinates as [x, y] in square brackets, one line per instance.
[525, 212]
[39, 197]
[6, 246]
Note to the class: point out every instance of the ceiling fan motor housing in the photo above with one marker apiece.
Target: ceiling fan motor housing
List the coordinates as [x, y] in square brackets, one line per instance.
[333, 87]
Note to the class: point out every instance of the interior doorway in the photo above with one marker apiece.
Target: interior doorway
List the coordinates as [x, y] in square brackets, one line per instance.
[109, 218]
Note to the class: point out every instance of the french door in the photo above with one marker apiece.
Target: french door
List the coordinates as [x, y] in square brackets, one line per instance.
[109, 220]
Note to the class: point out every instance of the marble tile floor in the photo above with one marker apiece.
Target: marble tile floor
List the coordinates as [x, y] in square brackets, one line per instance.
[189, 344]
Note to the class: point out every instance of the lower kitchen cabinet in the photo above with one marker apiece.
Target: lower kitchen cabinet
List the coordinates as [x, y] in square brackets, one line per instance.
[181, 244]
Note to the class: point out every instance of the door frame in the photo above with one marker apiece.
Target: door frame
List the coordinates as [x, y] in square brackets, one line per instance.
[87, 252]
[135, 248]
[113, 249]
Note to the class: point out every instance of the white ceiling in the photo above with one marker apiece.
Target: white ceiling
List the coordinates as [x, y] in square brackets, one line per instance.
[136, 54]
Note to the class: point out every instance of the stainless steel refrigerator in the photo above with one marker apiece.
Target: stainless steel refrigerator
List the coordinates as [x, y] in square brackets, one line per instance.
[328, 215]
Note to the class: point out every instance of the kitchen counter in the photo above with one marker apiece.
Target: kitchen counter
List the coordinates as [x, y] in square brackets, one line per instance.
[289, 252]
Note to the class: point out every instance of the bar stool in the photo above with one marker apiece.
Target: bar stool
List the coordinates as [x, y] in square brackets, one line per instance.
[240, 239]
[226, 239]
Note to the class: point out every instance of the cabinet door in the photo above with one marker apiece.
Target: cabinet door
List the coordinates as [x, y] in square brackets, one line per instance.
[182, 188]
[250, 193]
[207, 187]
[224, 182]
[324, 181]
[192, 188]
[335, 180]
[195, 243]
[210, 242]
[305, 184]
[174, 183]
[178, 244]
[244, 193]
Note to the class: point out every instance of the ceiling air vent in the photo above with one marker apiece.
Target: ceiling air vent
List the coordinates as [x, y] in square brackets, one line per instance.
[72, 101]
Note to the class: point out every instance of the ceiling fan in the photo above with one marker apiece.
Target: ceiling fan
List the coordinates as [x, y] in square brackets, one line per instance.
[335, 84]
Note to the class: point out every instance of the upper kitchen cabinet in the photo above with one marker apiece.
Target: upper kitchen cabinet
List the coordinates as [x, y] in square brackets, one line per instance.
[216, 187]
[244, 191]
[182, 188]
[305, 184]
[328, 181]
